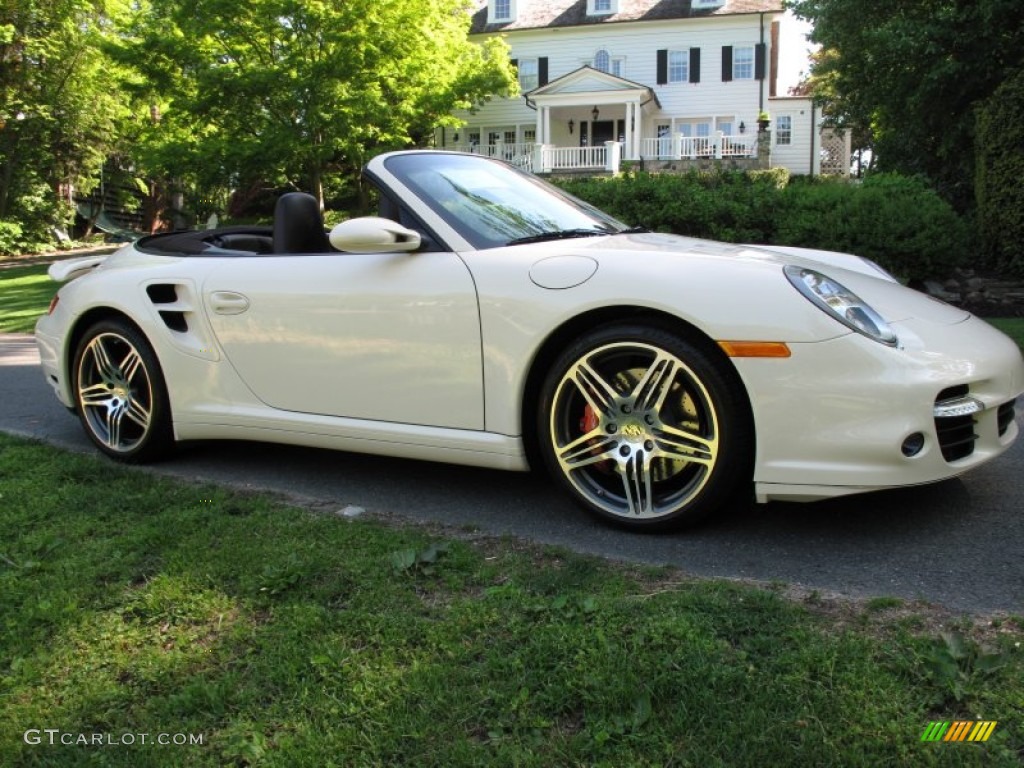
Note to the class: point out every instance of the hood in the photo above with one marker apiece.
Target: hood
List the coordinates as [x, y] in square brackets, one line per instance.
[893, 301]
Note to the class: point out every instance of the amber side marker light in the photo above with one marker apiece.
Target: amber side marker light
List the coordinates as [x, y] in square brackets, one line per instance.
[755, 348]
[53, 304]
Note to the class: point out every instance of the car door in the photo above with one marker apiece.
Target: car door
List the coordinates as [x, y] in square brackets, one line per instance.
[384, 336]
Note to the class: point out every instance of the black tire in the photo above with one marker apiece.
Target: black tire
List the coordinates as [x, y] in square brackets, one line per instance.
[120, 395]
[645, 428]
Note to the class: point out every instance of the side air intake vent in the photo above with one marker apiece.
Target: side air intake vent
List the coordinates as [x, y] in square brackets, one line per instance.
[163, 294]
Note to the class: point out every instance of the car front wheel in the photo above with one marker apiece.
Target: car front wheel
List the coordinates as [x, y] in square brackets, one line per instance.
[120, 395]
[645, 428]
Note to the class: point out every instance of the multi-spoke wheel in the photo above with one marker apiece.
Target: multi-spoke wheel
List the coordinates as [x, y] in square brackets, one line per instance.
[645, 428]
[119, 393]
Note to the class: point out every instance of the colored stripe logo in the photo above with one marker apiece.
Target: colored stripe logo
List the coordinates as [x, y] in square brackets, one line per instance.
[959, 730]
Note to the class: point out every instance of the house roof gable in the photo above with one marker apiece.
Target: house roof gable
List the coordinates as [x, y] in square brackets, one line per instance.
[586, 79]
[540, 14]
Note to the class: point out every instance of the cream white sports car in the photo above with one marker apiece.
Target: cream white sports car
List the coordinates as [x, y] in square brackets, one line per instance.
[486, 318]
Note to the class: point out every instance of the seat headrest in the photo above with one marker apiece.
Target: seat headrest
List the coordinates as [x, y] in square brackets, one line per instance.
[299, 225]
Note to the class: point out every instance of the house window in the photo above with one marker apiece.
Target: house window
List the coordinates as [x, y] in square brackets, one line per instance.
[599, 7]
[784, 129]
[725, 126]
[613, 65]
[501, 10]
[743, 62]
[529, 135]
[528, 75]
[678, 66]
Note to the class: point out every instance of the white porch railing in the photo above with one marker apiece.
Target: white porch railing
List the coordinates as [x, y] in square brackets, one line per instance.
[574, 158]
[501, 150]
[679, 147]
[545, 157]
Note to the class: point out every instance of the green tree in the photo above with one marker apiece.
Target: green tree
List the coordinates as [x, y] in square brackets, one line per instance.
[287, 91]
[911, 73]
[60, 110]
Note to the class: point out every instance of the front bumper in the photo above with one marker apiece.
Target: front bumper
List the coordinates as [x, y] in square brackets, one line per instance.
[833, 419]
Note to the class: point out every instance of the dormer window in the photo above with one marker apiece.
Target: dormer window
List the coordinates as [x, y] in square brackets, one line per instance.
[706, 3]
[602, 7]
[499, 11]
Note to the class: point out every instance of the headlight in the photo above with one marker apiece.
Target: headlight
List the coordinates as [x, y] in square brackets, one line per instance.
[841, 303]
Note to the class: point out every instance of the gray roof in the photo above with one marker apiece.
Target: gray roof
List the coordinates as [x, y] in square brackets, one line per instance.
[534, 14]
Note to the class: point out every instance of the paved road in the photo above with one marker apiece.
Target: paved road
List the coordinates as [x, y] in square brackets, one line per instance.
[959, 543]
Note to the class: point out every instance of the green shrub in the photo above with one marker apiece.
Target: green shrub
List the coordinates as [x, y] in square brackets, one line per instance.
[730, 205]
[32, 216]
[10, 237]
[897, 221]
[999, 169]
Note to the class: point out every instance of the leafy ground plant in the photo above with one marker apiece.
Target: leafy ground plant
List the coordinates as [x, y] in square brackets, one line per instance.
[247, 632]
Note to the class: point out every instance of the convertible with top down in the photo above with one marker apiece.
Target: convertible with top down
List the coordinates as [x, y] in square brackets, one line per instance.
[485, 318]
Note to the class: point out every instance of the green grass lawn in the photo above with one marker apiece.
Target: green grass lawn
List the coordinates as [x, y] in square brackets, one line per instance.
[278, 635]
[1011, 326]
[25, 293]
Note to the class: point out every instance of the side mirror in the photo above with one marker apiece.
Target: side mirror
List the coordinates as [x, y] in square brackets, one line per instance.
[373, 234]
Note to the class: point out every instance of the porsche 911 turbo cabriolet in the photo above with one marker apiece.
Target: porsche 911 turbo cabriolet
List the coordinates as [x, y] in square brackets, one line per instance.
[486, 318]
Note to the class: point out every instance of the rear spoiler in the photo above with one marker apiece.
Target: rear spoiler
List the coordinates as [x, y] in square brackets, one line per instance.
[62, 271]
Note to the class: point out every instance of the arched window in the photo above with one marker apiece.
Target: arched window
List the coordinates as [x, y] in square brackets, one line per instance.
[602, 61]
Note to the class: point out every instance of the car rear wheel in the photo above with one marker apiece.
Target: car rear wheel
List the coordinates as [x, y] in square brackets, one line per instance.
[645, 428]
[120, 394]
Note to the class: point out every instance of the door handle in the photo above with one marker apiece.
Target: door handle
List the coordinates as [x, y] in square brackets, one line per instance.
[228, 303]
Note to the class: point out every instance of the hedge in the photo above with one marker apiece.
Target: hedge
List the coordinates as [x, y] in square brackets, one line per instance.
[897, 221]
[999, 171]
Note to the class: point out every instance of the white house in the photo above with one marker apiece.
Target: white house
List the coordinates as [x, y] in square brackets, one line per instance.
[657, 81]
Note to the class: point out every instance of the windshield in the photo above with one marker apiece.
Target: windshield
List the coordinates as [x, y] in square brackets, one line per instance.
[492, 204]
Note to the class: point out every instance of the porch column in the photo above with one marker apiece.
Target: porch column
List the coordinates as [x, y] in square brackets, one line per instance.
[538, 132]
[629, 153]
[638, 131]
[547, 124]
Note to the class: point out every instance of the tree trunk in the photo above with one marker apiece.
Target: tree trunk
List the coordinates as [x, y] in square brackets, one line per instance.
[6, 180]
[316, 184]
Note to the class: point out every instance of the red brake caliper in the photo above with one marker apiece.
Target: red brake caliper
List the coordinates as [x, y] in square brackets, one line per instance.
[589, 421]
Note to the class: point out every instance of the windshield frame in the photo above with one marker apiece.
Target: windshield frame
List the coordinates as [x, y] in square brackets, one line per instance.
[517, 205]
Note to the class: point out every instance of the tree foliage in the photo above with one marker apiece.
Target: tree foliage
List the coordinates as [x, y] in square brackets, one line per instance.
[910, 74]
[60, 110]
[287, 91]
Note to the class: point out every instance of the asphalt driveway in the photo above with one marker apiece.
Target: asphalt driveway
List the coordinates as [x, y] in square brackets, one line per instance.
[959, 543]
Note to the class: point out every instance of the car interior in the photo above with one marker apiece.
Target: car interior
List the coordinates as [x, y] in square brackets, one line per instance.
[298, 228]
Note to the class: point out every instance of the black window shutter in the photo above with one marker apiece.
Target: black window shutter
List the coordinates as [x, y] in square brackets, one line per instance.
[760, 52]
[695, 65]
[726, 63]
[542, 70]
[515, 63]
[662, 66]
